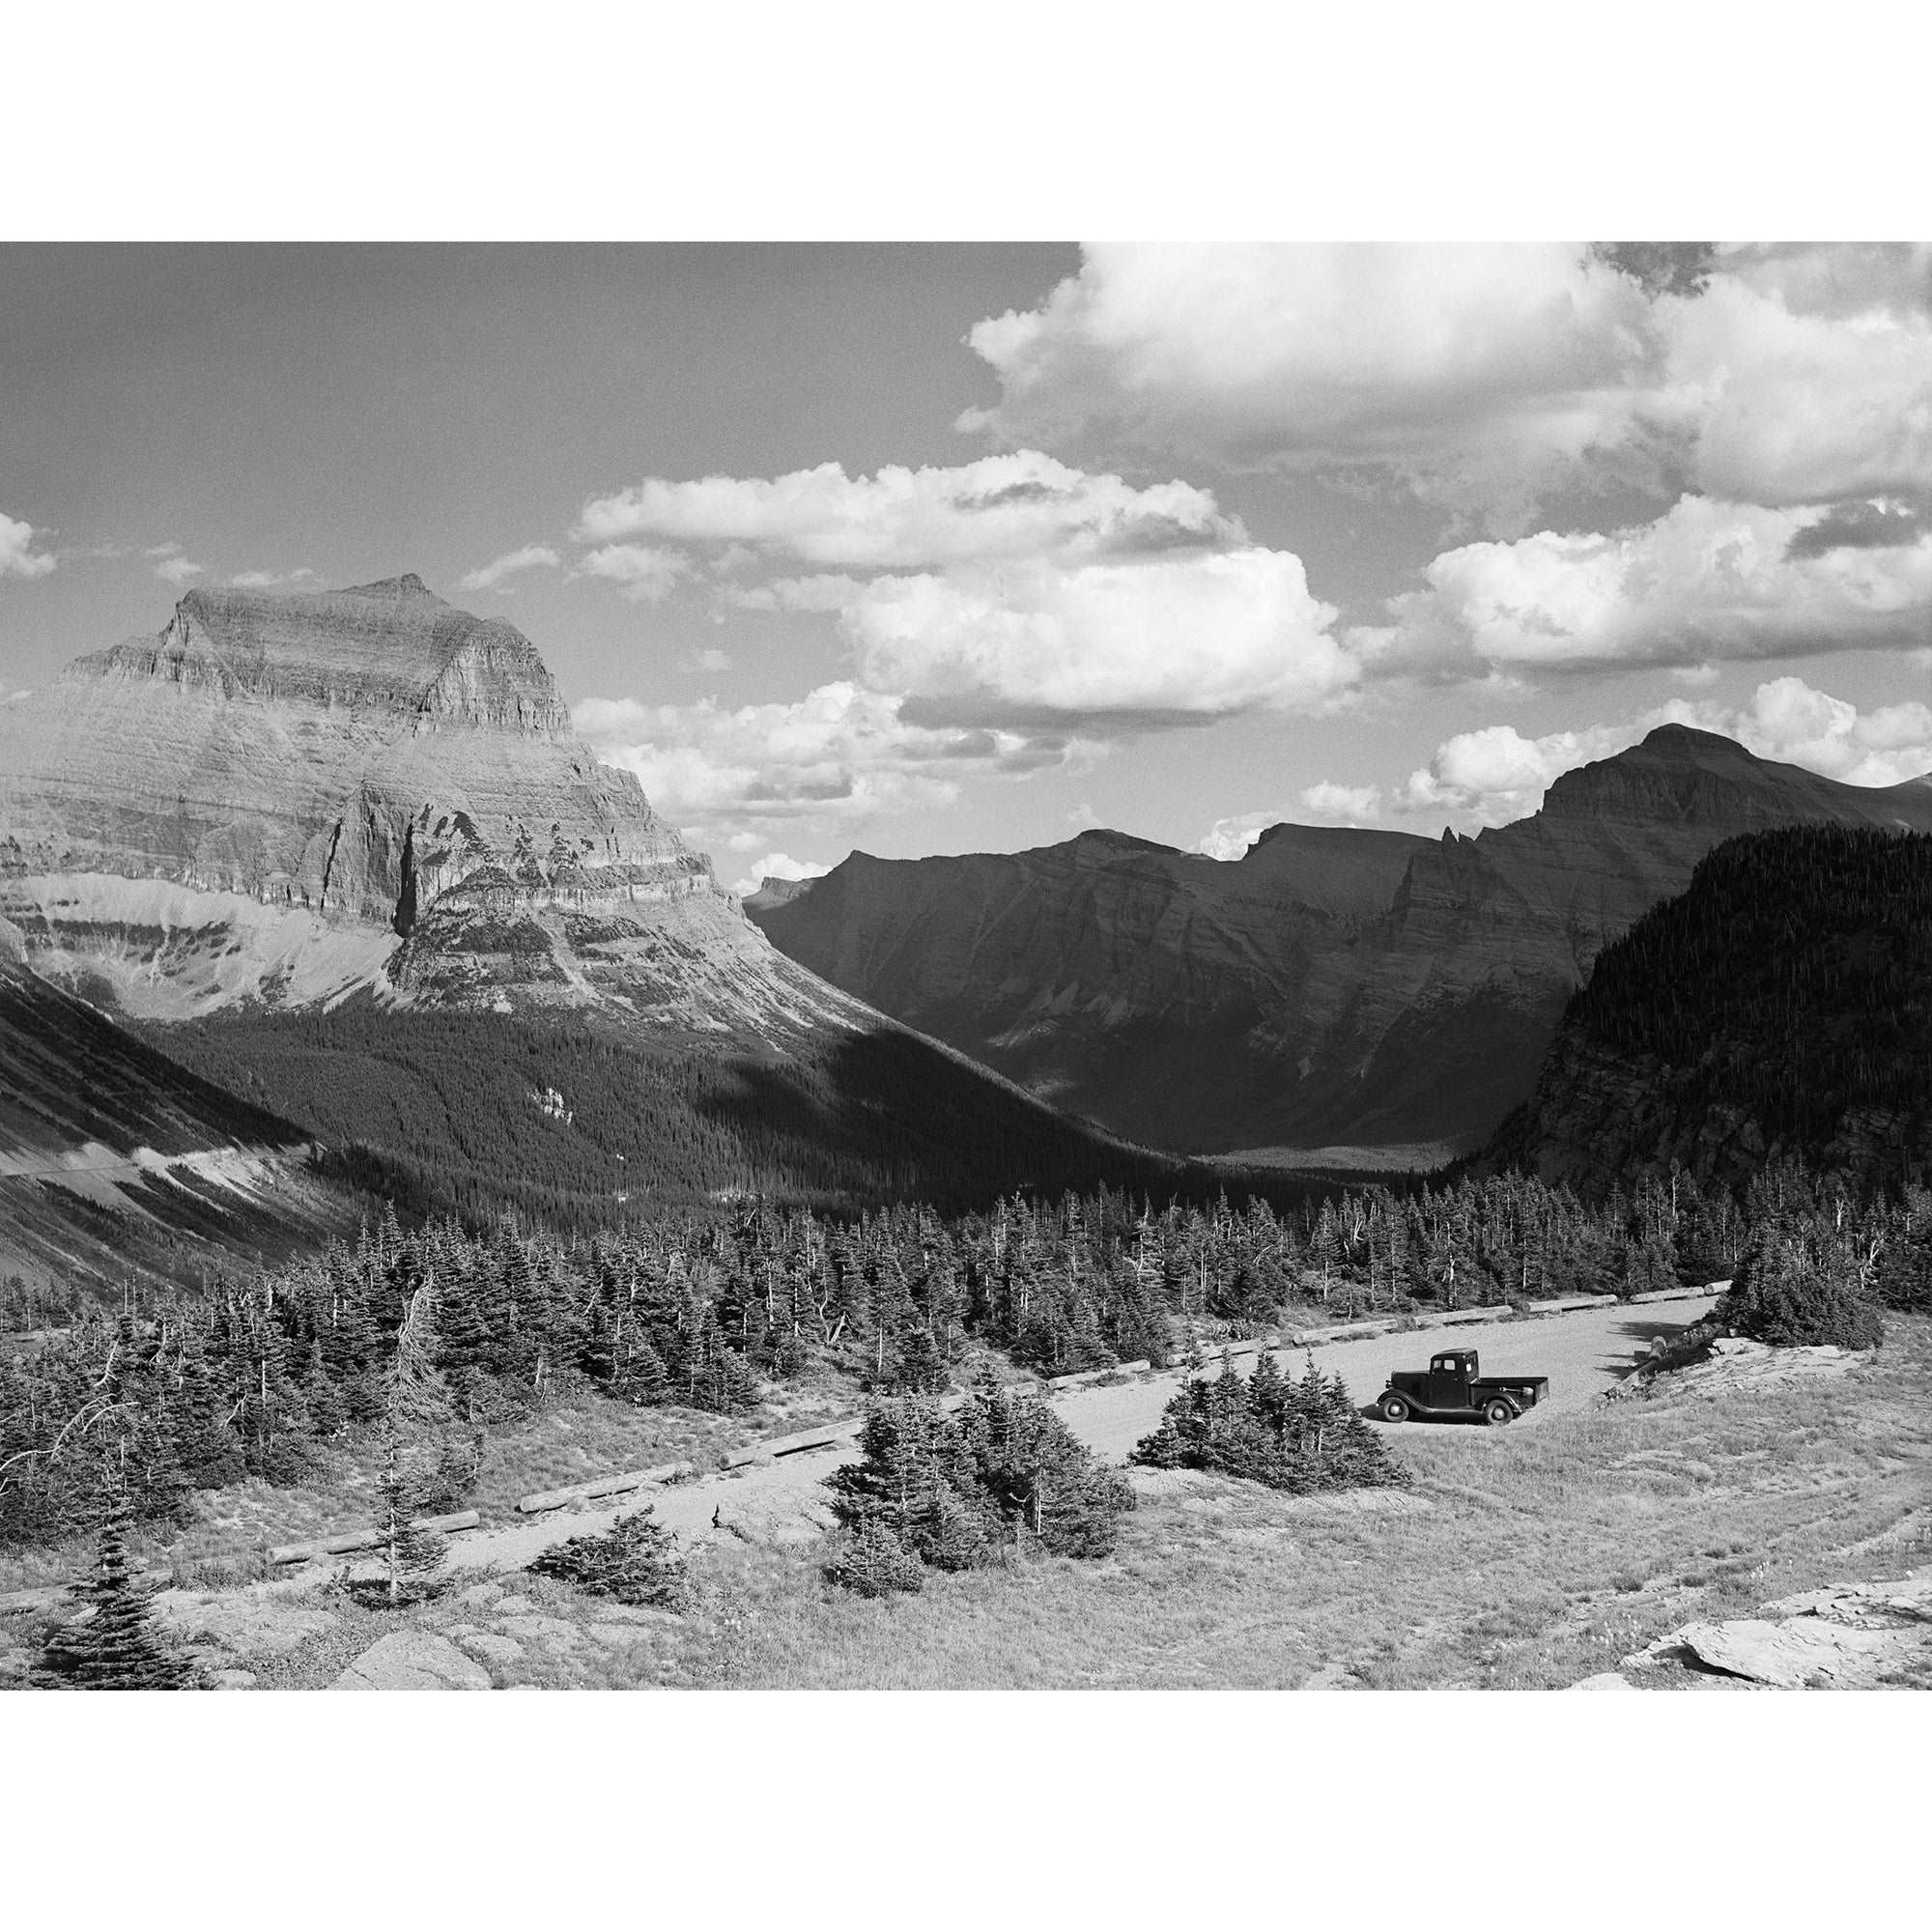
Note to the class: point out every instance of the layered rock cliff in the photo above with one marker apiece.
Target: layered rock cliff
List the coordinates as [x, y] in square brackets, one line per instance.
[289, 798]
[1332, 986]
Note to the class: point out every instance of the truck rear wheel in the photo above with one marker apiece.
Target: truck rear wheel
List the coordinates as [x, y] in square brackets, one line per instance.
[1499, 1412]
[1394, 1409]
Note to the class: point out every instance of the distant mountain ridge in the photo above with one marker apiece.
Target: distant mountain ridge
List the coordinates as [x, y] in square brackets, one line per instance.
[1331, 987]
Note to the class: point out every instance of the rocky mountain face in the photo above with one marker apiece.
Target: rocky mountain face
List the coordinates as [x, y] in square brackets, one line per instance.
[1332, 987]
[287, 799]
[1781, 1006]
[344, 854]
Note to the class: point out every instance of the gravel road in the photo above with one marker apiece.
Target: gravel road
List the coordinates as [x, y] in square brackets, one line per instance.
[1582, 1354]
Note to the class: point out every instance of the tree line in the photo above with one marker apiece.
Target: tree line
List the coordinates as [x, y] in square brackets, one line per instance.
[702, 1310]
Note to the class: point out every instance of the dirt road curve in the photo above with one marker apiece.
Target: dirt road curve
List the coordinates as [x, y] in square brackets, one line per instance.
[1582, 1353]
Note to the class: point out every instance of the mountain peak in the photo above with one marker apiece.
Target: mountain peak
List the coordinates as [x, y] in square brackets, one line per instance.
[407, 588]
[1687, 740]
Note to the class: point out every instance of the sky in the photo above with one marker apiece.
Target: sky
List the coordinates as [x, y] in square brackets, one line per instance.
[956, 547]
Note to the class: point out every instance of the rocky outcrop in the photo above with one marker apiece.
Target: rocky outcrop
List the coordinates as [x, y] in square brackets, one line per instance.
[1332, 987]
[412, 1660]
[292, 798]
[1847, 1637]
[1735, 1364]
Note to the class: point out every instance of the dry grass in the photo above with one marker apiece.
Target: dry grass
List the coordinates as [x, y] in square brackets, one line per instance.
[229, 1532]
[1549, 1552]
[1545, 1554]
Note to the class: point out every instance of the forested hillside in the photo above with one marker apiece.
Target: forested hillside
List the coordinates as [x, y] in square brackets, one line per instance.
[1781, 1006]
[586, 1127]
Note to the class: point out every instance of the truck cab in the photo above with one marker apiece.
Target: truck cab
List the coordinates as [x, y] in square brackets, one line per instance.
[1454, 1388]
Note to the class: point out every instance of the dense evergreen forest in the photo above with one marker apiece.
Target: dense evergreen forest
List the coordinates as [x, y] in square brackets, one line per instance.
[1781, 1006]
[702, 1309]
[578, 1124]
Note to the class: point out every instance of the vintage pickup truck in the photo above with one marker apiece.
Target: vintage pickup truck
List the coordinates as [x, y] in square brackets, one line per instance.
[1452, 1389]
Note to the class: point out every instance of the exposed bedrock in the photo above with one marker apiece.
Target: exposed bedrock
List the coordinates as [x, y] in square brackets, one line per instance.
[293, 797]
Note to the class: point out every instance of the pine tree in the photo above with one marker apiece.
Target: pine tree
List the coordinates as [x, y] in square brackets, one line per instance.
[1802, 1290]
[410, 1556]
[1042, 1479]
[117, 1648]
[870, 1561]
[635, 1560]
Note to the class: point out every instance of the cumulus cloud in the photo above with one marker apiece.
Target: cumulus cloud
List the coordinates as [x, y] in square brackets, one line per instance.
[1488, 377]
[269, 580]
[1332, 804]
[645, 575]
[1790, 721]
[1175, 637]
[1011, 590]
[1709, 581]
[1019, 506]
[777, 865]
[1477, 372]
[840, 753]
[175, 569]
[1796, 388]
[1495, 775]
[18, 556]
[495, 575]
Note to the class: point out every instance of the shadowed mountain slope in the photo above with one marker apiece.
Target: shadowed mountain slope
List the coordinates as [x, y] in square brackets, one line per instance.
[1781, 1006]
[116, 1161]
[1332, 987]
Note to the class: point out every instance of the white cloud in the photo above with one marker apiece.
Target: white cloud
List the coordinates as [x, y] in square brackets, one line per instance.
[1795, 385]
[713, 661]
[1495, 775]
[777, 865]
[1707, 581]
[18, 556]
[1183, 636]
[1019, 506]
[1477, 372]
[174, 569]
[494, 576]
[269, 580]
[1486, 378]
[1229, 838]
[1790, 721]
[839, 753]
[1333, 803]
[647, 576]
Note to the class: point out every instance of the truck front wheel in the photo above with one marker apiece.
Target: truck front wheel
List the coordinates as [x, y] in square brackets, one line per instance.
[1499, 1412]
[1394, 1409]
